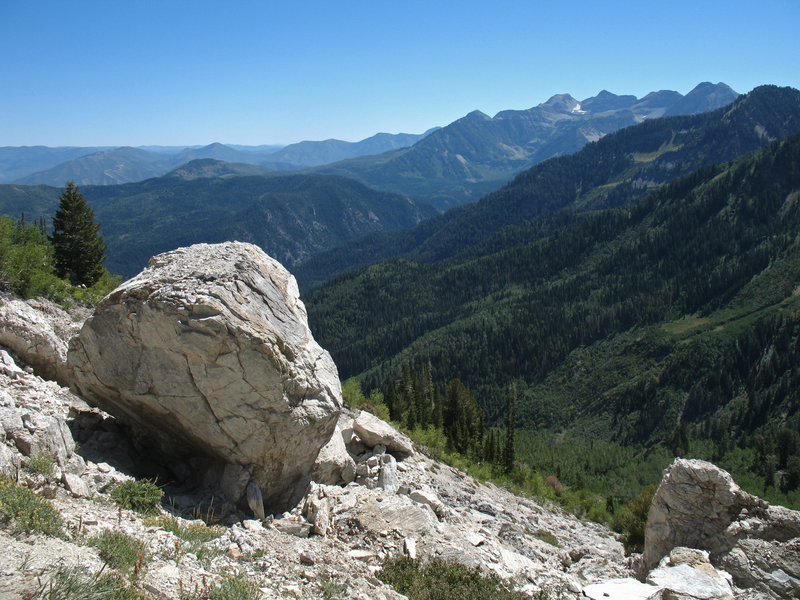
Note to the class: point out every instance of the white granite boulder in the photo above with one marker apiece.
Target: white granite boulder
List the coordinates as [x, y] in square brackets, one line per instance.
[373, 431]
[208, 353]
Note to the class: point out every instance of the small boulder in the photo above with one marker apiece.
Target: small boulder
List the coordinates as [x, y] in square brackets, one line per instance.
[687, 573]
[334, 465]
[429, 498]
[374, 431]
[621, 589]
[387, 477]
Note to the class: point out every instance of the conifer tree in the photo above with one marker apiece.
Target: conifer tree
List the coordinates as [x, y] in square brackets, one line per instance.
[509, 451]
[79, 248]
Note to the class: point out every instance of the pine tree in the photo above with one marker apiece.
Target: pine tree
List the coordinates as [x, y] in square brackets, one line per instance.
[79, 248]
[509, 451]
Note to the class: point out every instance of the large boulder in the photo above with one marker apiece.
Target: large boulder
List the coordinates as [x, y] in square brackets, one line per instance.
[207, 352]
[698, 505]
[693, 507]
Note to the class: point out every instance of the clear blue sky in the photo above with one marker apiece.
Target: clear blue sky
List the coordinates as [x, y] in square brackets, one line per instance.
[136, 72]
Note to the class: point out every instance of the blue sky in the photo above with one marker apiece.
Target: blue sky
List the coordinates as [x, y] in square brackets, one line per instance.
[114, 72]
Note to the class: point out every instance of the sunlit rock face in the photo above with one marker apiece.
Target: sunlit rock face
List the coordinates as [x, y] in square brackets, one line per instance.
[208, 352]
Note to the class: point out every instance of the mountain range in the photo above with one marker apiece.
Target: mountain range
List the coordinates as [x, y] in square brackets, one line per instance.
[478, 154]
[109, 166]
[636, 293]
[443, 166]
[618, 169]
[641, 292]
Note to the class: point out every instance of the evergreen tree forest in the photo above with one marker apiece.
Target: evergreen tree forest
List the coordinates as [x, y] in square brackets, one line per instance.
[445, 415]
[665, 327]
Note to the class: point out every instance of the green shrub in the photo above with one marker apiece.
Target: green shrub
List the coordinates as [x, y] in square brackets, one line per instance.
[27, 267]
[120, 551]
[27, 511]
[41, 463]
[632, 520]
[547, 538]
[142, 495]
[438, 579]
[354, 398]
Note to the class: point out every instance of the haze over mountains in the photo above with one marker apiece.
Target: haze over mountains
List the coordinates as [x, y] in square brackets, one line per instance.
[477, 154]
[295, 230]
[444, 167]
[109, 166]
[291, 216]
[619, 169]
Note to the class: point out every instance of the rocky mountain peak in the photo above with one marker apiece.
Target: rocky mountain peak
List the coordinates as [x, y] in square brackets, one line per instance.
[561, 103]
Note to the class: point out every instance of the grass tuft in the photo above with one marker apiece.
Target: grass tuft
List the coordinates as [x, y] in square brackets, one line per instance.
[120, 551]
[142, 495]
[71, 583]
[194, 532]
[41, 463]
[26, 511]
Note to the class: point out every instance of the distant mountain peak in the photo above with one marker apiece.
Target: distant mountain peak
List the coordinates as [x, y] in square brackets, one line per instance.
[477, 115]
[563, 103]
[215, 146]
[705, 96]
[605, 101]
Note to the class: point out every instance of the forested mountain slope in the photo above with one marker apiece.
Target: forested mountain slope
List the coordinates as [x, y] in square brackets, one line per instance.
[618, 169]
[671, 321]
[289, 216]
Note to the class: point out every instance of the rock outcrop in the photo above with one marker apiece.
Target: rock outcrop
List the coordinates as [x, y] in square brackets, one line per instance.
[693, 506]
[698, 505]
[207, 352]
[36, 331]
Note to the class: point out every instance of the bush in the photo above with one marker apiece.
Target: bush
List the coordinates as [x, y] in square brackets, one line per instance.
[354, 398]
[27, 511]
[40, 463]
[27, 267]
[632, 520]
[120, 551]
[438, 579]
[193, 532]
[143, 496]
